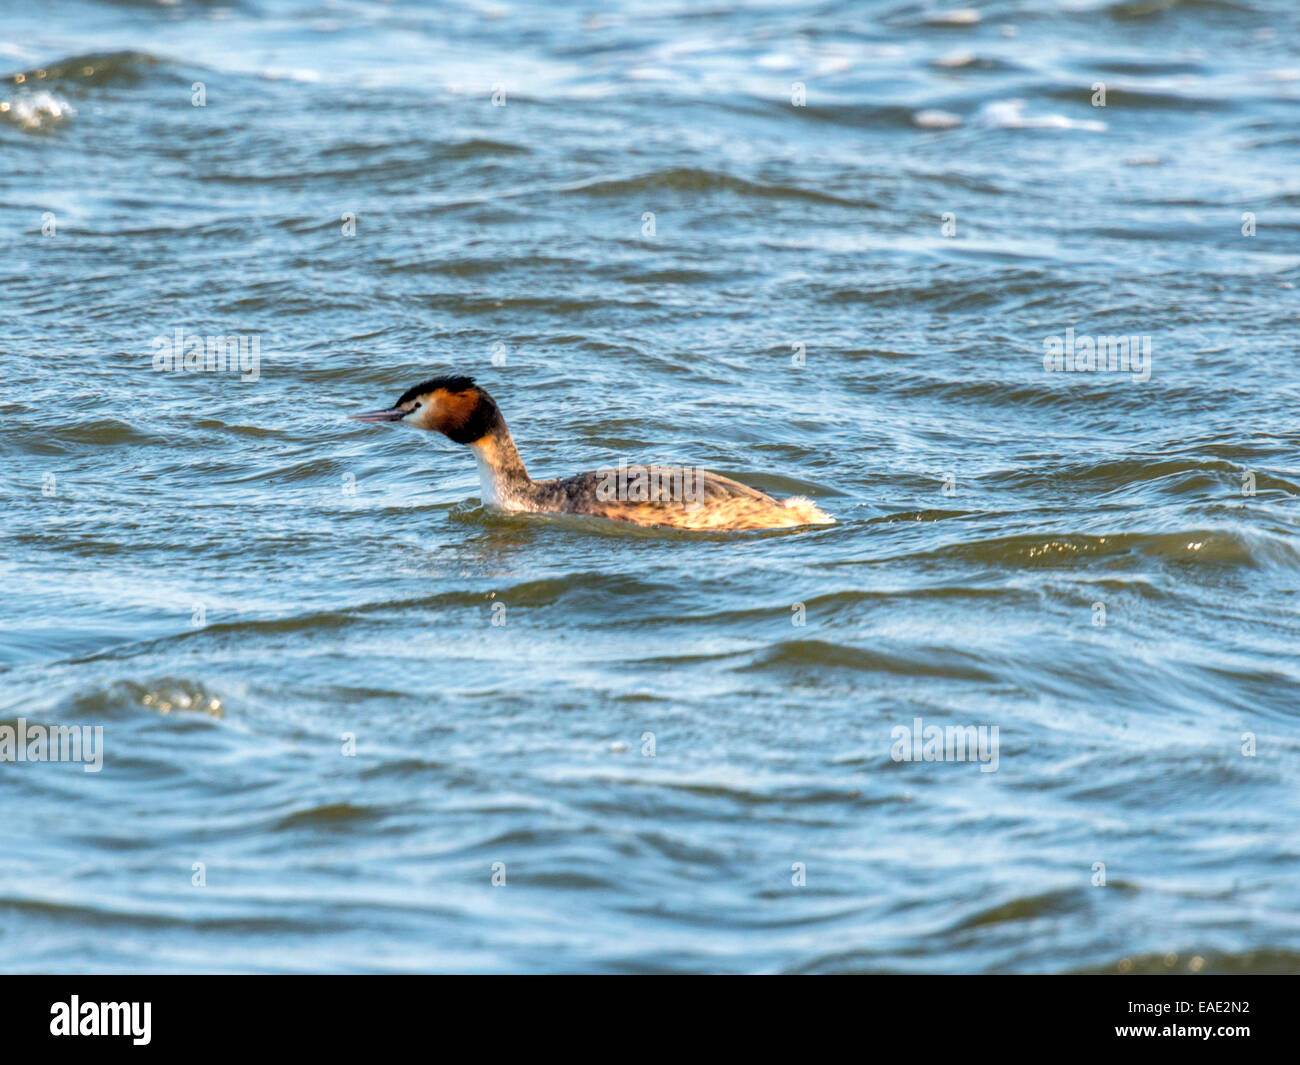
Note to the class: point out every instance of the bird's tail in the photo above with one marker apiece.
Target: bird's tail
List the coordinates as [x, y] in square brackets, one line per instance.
[807, 511]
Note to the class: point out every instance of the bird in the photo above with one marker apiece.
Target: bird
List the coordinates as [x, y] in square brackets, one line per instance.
[682, 497]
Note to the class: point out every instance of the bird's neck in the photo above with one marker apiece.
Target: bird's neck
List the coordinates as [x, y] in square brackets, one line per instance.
[502, 476]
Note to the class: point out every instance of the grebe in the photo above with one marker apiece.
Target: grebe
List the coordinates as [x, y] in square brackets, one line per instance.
[677, 496]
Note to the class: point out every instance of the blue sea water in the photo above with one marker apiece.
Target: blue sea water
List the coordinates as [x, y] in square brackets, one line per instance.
[354, 721]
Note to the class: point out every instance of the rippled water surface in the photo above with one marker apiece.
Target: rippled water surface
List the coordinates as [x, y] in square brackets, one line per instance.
[669, 770]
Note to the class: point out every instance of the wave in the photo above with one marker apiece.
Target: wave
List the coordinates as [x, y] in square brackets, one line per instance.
[94, 68]
[1265, 961]
[820, 654]
[1204, 546]
[694, 179]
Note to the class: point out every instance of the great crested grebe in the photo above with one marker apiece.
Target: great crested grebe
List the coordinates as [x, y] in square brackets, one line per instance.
[678, 496]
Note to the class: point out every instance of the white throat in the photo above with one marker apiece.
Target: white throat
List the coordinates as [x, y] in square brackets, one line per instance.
[501, 474]
[489, 477]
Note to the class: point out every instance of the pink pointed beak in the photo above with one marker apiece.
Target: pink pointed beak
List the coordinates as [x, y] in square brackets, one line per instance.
[396, 414]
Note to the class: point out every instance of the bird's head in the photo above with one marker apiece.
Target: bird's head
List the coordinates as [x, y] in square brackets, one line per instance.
[454, 406]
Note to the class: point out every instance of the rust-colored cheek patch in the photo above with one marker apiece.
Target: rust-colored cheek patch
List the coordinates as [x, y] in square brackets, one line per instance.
[453, 410]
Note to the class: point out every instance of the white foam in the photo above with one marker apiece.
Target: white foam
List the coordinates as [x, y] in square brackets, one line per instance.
[962, 16]
[936, 119]
[1010, 114]
[31, 111]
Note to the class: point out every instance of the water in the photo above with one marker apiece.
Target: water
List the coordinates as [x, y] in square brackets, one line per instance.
[230, 578]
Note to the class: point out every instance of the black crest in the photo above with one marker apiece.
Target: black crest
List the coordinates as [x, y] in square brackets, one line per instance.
[455, 383]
